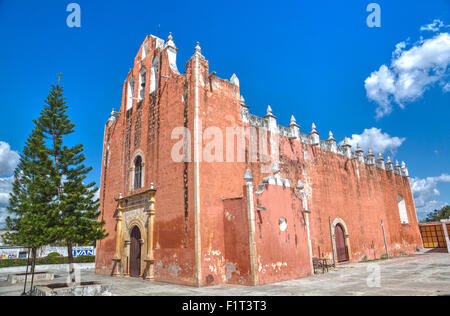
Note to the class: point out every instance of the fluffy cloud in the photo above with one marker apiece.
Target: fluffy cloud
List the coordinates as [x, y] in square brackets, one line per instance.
[375, 139]
[5, 189]
[97, 195]
[3, 215]
[446, 87]
[8, 159]
[379, 87]
[411, 73]
[434, 27]
[425, 192]
[8, 162]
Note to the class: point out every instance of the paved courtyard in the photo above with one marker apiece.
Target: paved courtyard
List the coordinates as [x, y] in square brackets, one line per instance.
[420, 274]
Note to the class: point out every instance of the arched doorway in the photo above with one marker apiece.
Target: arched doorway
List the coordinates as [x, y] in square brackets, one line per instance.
[135, 253]
[341, 247]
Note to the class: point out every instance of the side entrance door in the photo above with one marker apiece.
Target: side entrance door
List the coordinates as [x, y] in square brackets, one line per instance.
[341, 248]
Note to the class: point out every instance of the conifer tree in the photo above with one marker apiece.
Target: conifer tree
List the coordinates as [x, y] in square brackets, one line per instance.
[32, 200]
[78, 211]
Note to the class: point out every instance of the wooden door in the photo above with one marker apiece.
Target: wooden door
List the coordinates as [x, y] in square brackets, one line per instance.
[341, 247]
[135, 253]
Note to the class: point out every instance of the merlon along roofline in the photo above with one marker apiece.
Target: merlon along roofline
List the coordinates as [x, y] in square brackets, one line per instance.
[312, 138]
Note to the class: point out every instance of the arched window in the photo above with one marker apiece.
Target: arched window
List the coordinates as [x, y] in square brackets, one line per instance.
[402, 209]
[144, 51]
[142, 84]
[154, 75]
[130, 94]
[138, 173]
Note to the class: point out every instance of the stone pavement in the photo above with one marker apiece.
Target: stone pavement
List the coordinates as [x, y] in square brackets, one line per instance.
[420, 274]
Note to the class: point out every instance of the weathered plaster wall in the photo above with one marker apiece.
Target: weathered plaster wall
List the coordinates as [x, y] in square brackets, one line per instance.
[282, 255]
[237, 252]
[219, 110]
[361, 195]
[353, 193]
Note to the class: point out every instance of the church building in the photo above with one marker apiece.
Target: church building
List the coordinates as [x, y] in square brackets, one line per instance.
[196, 190]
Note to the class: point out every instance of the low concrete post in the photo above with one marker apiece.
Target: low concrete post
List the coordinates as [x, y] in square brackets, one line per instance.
[444, 226]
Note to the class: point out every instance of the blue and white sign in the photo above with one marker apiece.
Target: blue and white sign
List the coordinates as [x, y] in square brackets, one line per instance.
[83, 251]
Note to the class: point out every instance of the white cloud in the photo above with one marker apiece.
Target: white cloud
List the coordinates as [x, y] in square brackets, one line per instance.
[5, 189]
[446, 87]
[379, 87]
[3, 215]
[375, 139]
[398, 49]
[4, 198]
[8, 162]
[411, 73]
[433, 27]
[425, 193]
[97, 195]
[8, 159]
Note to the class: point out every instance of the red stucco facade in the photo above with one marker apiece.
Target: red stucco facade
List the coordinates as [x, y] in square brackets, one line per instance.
[212, 226]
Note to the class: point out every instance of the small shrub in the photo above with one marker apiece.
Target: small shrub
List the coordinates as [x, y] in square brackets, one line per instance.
[53, 254]
[43, 261]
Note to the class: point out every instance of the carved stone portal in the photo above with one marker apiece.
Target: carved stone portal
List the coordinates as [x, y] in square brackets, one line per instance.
[136, 210]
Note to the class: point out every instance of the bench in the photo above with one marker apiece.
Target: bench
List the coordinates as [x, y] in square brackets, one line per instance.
[320, 263]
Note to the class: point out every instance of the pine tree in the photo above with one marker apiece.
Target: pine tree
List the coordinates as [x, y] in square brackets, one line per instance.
[78, 211]
[32, 204]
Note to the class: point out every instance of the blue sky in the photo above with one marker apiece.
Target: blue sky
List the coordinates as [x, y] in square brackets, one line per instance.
[306, 58]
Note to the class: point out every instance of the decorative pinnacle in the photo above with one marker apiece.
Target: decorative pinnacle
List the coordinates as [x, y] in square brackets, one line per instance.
[358, 147]
[396, 163]
[293, 120]
[380, 156]
[346, 142]
[198, 49]
[269, 110]
[369, 152]
[242, 100]
[170, 41]
[330, 136]
[403, 164]
[112, 117]
[248, 176]
[389, 159]
[313, 128]
[275, 167]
